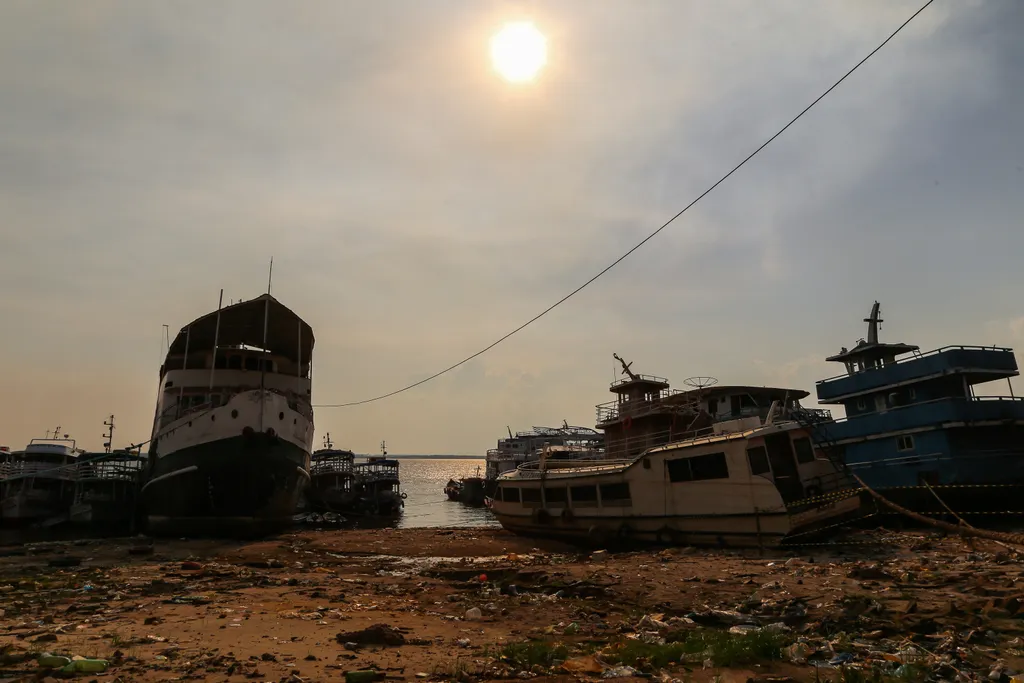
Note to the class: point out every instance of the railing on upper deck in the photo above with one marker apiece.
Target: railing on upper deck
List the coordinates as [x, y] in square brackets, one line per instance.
[929, 413]
[335, 463]
[116, 468]
[532, 470]
[996, 359]
[175, 412]
[613, 410]
[642, 378]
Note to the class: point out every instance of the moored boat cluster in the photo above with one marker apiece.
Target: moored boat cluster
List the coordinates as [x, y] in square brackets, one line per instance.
[231, 450]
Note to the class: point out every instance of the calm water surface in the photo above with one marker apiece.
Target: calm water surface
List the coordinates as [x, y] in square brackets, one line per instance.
[427, 506]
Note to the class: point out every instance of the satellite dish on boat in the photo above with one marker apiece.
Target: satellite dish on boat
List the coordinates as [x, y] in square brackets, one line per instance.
[700, 382]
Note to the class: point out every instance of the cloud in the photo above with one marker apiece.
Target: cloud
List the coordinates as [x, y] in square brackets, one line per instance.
[417, 208]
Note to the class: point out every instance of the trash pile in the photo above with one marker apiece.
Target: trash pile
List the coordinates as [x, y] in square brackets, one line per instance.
[907, 609]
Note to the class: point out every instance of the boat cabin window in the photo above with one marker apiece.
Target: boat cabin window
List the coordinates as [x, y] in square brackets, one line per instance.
[531, 495]
[234, 362]
[252, 363]
[583, 496]
[556, 494]
[615, 495]
[905, 443]
[758, 459]
[804, 450]
[510, 494]
[699, 468]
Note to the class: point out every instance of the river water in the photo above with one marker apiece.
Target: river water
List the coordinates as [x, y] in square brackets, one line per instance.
[423, 479]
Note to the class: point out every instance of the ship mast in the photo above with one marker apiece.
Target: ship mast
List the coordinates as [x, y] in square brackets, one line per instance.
[109, 435]
[625, 366]
[874, 324]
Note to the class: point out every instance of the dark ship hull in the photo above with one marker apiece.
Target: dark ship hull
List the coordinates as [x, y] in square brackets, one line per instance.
[235, 485]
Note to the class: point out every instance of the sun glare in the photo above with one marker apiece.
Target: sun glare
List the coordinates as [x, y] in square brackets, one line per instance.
[519, 51]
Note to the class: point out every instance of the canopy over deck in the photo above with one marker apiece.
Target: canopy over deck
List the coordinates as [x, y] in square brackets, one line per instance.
[242, 324]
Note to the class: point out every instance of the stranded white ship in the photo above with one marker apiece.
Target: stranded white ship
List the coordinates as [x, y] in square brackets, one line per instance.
[234, 422]
[753, 480]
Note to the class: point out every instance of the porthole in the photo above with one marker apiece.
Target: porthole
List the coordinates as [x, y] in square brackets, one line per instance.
[234, 414]
[213, 418]
[280, 416]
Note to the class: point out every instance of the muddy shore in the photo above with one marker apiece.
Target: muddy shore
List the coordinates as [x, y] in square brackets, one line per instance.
[437, 604]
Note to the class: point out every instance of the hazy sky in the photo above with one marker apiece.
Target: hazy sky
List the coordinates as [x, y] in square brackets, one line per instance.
[417, 206]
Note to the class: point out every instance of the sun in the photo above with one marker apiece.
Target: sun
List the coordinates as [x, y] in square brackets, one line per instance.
[519, 51]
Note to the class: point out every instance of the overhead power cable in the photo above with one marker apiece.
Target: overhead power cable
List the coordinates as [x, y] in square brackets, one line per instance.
[642, 242]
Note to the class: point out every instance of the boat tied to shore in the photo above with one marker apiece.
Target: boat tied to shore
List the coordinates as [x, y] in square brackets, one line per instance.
[377, 486]
[925, 430]
[37, 484]
[729, 472]
[331, 474]
[233, 428]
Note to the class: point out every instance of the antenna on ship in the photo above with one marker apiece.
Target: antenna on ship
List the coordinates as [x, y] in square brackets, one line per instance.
[270, 277]
[383, 448]
[327, 440]
[509, 431]
[625, 366]
[874, 323]
[109, 434]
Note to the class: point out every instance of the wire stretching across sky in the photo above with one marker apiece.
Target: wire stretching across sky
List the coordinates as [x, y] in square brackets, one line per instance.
[644, 240]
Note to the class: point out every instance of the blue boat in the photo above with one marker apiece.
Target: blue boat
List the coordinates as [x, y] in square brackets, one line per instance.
[918, 432]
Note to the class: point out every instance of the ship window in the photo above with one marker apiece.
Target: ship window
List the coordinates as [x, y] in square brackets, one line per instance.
[804, 451]
[531, 495]
[510, 494]
[268, 365]
[861, 405]
[758, 458]
[699, 468]
[235, 362]
[252, 363]
[615, 494]
[556, 495]
[912, 394]
[220, 362]
[905, 443]
[583, 496]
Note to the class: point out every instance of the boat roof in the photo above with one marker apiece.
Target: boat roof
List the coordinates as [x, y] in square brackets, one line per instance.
[720, 390]
[242, 324]
[332, 452]
[52, 447]
[872, 351]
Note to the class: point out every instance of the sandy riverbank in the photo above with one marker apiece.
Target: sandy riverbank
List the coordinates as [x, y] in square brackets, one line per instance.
[274, 609]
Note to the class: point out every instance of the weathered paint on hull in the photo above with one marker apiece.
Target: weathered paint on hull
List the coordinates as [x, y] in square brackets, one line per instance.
[709, 530]
[239, 484]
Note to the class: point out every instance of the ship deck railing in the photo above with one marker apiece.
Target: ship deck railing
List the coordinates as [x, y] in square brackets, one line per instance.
[640, 378]
[613, 410]
[109, 470]
[533, 470]
[319, 468]
[938, 411]
[916, 355]
[21, 469]
[176, 412]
